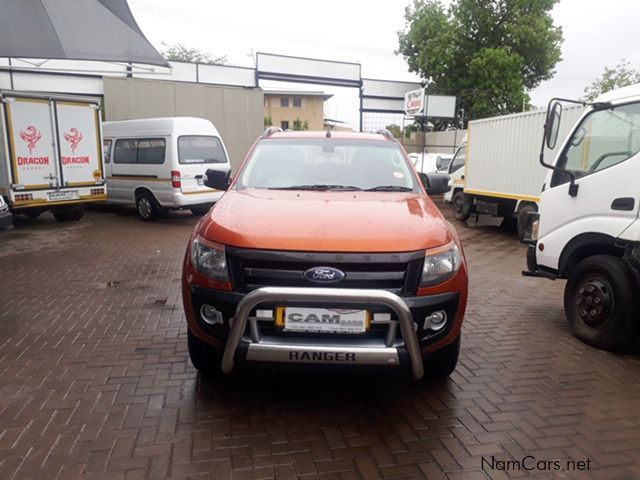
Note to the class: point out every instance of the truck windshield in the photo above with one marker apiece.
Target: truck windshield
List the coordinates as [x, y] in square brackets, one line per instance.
[200, 149]
[603, 139]
[328, 164]
[459, 159]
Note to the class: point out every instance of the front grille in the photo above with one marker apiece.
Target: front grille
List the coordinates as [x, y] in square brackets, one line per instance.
[396, 272]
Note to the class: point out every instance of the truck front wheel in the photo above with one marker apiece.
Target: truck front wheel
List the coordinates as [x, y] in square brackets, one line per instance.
[461, 208]
[599, 302]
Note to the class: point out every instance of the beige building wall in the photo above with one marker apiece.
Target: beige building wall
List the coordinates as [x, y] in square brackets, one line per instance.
[311, 110]
[236, 112]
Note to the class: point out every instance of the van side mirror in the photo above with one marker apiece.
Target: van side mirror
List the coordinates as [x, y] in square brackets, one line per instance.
[435, 183]
[552, 124]
[218, 179]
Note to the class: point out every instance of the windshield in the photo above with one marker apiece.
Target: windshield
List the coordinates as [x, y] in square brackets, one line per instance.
[327, 164]
[603, 139]
[200, 149]
[459, 159]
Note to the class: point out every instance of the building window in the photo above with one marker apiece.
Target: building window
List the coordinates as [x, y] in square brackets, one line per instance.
[284, 102]
[284, 124]
[297, 102]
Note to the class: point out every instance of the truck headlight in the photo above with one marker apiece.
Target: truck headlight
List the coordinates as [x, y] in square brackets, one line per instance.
[440, 264]
[209, 258]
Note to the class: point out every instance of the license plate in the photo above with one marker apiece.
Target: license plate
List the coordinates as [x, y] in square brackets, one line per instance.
[66, 195]
[323, 320]
[200, 181]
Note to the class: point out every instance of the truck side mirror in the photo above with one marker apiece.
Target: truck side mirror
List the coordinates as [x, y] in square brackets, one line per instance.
[218, 179]
[435, 183]
[552, 124]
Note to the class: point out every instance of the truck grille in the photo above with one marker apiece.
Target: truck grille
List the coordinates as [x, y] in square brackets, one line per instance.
[398, 273]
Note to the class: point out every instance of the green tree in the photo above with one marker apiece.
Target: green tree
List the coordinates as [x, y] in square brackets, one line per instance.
[619, 76]
[267, 122]
[488, 53]
[181, 53]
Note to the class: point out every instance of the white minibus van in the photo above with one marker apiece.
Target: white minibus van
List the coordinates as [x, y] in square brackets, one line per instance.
[158, 164]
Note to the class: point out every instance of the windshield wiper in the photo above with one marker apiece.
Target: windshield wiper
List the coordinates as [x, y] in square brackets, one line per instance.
[389, 188]
[317, 187]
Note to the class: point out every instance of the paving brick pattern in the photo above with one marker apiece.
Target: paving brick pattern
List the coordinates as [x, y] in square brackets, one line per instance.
[95, 381]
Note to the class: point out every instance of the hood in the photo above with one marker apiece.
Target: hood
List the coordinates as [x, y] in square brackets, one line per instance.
[326, 221]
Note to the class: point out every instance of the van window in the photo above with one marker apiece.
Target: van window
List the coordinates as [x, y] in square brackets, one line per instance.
[147, 151]
[106, 149]
[200, 149]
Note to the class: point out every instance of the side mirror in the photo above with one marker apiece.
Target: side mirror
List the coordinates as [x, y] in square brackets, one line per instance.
[218, 179]
[552, 124]
[435, 183]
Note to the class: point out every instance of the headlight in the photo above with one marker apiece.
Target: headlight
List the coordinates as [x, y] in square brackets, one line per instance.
[209, 258]
[440, 263]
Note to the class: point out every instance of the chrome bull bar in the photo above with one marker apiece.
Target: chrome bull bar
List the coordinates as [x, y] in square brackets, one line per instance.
[329, 296]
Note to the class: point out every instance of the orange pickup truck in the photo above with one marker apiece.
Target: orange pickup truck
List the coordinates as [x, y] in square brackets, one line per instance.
[325, 249]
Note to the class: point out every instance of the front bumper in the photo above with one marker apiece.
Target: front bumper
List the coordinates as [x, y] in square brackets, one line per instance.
[243, 337]
[258, 350]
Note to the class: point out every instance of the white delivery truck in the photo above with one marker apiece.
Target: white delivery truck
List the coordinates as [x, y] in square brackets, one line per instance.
[501, 177]
[587, 229]
[50, 154]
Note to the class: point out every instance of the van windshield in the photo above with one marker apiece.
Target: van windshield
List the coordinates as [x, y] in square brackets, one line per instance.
[328, 164]
[200, 149]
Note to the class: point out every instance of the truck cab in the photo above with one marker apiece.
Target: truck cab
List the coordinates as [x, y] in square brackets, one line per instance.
[587, 230]
[455, 196]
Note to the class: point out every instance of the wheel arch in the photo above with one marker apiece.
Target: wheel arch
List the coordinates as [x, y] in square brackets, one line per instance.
[586, 245]
[141, 189]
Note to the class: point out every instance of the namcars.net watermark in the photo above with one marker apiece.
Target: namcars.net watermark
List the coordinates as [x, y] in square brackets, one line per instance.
[530, 463]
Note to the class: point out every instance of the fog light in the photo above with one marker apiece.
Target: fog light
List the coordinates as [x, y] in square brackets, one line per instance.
[210, 315]
[436, 321]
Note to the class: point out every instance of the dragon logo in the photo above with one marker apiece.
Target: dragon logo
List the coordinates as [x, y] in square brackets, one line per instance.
[32, 136]
[74, 137]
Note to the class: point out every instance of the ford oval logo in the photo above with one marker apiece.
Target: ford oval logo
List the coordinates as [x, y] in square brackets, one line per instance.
[324, 275]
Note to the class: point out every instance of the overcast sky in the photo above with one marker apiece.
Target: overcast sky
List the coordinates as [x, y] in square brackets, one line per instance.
[596, 34]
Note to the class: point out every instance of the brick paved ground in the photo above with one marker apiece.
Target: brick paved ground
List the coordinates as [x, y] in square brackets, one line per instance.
[95, 381]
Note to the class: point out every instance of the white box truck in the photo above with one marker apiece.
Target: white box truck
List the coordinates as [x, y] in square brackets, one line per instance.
[50, 154]
[588, 227]
[501, 176]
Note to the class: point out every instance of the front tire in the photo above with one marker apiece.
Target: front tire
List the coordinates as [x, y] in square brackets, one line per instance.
[147, 207]
[203, 356]
[441, 363]
[599, 302]
[461, 208]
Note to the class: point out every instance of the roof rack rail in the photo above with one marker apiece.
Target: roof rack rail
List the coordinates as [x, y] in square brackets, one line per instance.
[270, 131]
[386, 133]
